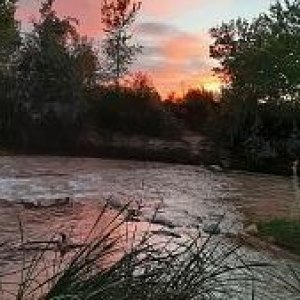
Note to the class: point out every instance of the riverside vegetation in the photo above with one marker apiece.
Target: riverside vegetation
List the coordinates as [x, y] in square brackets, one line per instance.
[119, 261]
[58, 90]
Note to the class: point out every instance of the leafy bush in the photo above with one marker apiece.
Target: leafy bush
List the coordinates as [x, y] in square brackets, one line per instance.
[285, 232]
[132, 110]
[197, 109]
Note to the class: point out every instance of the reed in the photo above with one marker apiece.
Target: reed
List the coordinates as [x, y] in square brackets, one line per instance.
[120, 263]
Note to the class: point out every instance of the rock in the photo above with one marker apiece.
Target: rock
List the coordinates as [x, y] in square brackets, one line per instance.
[163, 222]
[215, 168]
[62, 201]
[212, 229]
[132, 219]
[167, 233]
[198, 220]
[217, 218]
[133, 212]
[251, 229]
[29, 204]
[114, 202]
[46, 203]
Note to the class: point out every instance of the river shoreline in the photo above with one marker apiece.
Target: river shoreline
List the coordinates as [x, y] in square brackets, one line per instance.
[192, 149]
[189, 198]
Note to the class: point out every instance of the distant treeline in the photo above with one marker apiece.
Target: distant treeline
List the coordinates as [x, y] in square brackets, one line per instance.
[56, 86]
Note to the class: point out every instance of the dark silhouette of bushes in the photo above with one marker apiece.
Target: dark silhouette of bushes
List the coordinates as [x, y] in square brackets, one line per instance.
[55, 91]
[259, 62]
[52, 90]
[196, 110]
[135, 109]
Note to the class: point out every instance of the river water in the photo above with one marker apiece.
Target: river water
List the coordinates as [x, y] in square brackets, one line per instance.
[188, 197]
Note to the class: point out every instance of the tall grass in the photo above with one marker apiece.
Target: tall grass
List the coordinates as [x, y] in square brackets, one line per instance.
[119, 262]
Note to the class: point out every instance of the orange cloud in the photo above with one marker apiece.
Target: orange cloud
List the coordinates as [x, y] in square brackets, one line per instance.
[178, 60]
[163, 8]
[168, 80]
[184, 47]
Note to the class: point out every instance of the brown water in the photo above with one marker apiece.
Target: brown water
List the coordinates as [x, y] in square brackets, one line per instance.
[188, 196]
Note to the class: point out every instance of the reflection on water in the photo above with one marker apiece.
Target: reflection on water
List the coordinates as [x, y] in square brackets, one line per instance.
[188, 196]
[184, 190]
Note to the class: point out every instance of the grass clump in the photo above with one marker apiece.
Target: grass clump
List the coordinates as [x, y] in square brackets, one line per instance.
[118, 262]
[285, 233]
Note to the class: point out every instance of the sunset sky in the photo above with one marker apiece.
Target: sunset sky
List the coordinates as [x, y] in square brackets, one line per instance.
[174, 34]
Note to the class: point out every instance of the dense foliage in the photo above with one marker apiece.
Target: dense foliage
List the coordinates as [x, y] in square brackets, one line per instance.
[259, 62]
[132, 109]
[197, 110]
[9, 35]
[50, 82]
[55, 87]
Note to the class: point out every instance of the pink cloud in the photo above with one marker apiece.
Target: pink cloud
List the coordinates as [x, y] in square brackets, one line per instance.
[183, 47]
[168, 8]
[86, 11]
[173, 58]
[178, 60]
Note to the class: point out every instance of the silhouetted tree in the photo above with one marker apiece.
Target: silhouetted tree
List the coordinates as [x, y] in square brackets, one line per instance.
[195, 109]
[118, 48]
[9, 34]
[261, 56]
[55, 69]
[144, 89]
[86, 63]
[259, 61]
[9, 44]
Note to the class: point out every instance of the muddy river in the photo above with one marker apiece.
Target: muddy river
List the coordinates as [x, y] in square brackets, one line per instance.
[187, 197]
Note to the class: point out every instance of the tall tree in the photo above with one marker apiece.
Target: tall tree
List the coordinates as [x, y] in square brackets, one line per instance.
[56, 66]
[259, 61]
[46, 68]
[86, 63]
[261, 56]
[9, 44]
[119, 50]
[9, 35]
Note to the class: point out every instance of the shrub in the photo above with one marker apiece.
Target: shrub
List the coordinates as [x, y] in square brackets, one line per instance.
[285, 232]
[131, 111]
